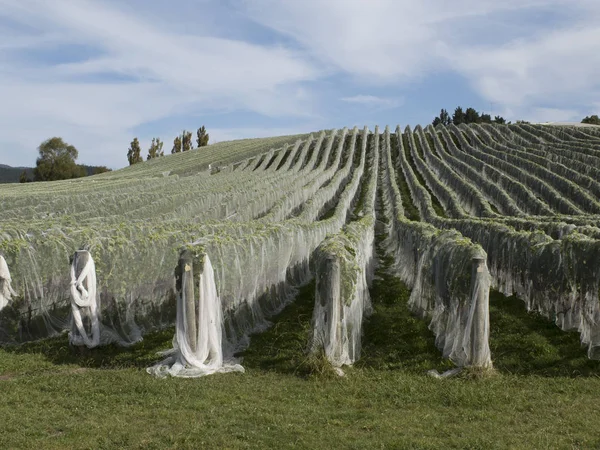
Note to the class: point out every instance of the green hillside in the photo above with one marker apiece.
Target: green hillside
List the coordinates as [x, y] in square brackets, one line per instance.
[414, 288]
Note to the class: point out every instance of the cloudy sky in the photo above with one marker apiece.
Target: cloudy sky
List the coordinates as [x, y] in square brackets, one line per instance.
[100, 72]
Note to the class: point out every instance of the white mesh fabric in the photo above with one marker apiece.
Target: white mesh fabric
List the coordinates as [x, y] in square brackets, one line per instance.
[84, 301]
[200, 353]
[6, 290]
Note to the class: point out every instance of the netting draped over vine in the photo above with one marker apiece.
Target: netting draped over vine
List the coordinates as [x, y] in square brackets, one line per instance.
[438, 266]
[197, 345]
[512, 207]
[256, 275]
[548, 274]
[6, 290]
[344, 271]
[83, 298]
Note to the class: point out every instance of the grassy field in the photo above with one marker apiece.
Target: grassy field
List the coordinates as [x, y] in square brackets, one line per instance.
[543, 394]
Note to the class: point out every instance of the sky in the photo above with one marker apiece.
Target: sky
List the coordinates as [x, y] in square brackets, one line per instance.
[100, 72]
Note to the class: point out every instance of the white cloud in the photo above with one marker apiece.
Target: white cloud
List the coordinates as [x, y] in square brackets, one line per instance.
[170, 73]
[528, 67]
[374, 102]
[384, 39]
[561, 65]
[554, 115]
[518, 54]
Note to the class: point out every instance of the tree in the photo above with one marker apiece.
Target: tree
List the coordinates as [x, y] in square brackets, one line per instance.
[23, 178]
[485, 118]
[499, 119]
[186, 141]
[202, 137]
[134, 155]
[100, 169]
[57, 161]
[472, 116]
[155, 149]
[176, 145]
[459, 116]
[593, 120]
[443, 119]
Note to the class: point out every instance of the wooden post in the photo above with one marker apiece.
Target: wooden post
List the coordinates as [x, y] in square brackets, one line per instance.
[328, 292]
[80, 259]
[186, 268]
[480, 350]
[337, 306]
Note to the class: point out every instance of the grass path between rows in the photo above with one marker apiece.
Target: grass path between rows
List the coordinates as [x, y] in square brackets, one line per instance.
[544, 394]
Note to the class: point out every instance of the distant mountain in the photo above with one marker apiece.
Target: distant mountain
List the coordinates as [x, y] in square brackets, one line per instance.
[10, 174]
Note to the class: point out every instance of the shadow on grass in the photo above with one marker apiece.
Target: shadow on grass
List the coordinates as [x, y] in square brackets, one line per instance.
[521, 343]
[141, 355]
[395, 339]
[526, 343]
[282, 348]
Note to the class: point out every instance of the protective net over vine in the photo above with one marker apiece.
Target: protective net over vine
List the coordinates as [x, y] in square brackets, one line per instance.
[460, 211]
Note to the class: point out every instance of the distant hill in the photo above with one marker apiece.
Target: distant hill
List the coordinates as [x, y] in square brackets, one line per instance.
[10, 174]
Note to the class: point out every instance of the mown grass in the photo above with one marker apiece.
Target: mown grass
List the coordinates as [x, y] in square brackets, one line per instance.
[544, 394]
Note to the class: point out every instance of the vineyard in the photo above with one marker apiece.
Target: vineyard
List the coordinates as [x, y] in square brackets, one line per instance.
[218, 241]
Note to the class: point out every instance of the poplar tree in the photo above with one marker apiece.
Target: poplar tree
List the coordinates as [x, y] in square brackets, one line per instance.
[155, 149]
[186, 143]
[202, 137]
[176, 145]
[134, 155]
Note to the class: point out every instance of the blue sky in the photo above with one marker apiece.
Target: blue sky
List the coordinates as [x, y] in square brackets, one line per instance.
[100, 72]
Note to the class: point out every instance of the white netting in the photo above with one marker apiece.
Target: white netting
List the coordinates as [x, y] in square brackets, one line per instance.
[447, 285]
[256, 273]
[87, 327]
[197, 345]
[452, 287]
[263, 207]
[6, 290]
[344, 271]
[83, 301]
[342, 300]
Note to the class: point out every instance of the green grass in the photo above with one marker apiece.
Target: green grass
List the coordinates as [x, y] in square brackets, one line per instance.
[394, 339]
[529, 344]
[544, 394]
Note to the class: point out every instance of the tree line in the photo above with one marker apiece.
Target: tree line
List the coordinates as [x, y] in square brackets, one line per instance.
[57, 159]
[470, 115]
[181, 143]
[592, 120]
